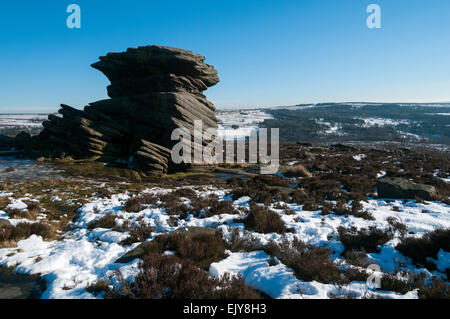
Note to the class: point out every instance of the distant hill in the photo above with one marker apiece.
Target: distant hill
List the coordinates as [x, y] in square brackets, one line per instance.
[356, 121]
[12, 124]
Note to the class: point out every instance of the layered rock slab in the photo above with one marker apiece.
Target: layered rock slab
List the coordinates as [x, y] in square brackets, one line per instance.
[153, 91]
[402, 188]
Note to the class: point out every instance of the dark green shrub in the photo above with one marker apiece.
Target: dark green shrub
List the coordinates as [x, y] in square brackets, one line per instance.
[308, 262]
[136, 204]
[418, 249]
[263, 220]
[169, 277]
[367, 239]
[107, 221]
[202, 248]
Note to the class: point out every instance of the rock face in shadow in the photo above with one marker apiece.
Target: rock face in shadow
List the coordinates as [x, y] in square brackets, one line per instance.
[403, 188]
[153, 91]
[6, 142]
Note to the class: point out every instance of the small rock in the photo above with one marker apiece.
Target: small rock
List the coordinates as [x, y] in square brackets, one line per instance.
[402, 188]
[6, 141]
[342, 147]
[4, 222]
[22, 139]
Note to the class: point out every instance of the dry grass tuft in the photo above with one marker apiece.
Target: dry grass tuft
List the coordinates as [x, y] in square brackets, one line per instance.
[11, 234]
[136, 204]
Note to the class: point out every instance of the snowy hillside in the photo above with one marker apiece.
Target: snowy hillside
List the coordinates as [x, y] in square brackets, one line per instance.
[351, 122]
[327, 224]
[12, 124]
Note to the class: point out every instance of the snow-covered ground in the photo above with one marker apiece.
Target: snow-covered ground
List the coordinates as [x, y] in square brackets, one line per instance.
[240, 123]
[84, 256]
[331, 129]
[13, 124]
[22, 120]
[376, 121]
[411, 135]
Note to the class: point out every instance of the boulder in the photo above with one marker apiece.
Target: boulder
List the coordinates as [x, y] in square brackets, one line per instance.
[153, 91]
[6, 141]
[22, 139]
[4, 222]
[156, 69]
[402, 188]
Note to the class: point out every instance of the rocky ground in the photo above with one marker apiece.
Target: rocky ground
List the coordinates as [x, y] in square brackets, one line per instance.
[312, 231]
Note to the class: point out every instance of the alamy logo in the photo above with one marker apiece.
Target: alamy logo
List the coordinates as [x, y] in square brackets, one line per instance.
[74, 19]
[374, 280]
[374, 19]
[208, 147]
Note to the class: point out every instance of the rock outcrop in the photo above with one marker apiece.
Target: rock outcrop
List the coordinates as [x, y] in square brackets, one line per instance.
[4, 222]
[153, 91]
[403, 188]
[6, 142]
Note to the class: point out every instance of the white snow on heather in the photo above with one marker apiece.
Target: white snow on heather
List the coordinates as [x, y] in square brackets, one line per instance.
[239, 124]
[426, 104]
[359, 157]
[243, 201]
[376, 121]
[436, 174]
[331, 128]
[278, 281]
[17, 204]
[5, 194]
[22, 120]
[84, 256]
[381, 174]
[408, 134]
[291, 164]
[70, 263]
[107, 235]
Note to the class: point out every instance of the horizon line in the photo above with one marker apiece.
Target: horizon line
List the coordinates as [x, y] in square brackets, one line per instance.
[260, 107]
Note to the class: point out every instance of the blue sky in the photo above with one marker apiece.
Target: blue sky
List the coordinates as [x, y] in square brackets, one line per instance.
[268, 53]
